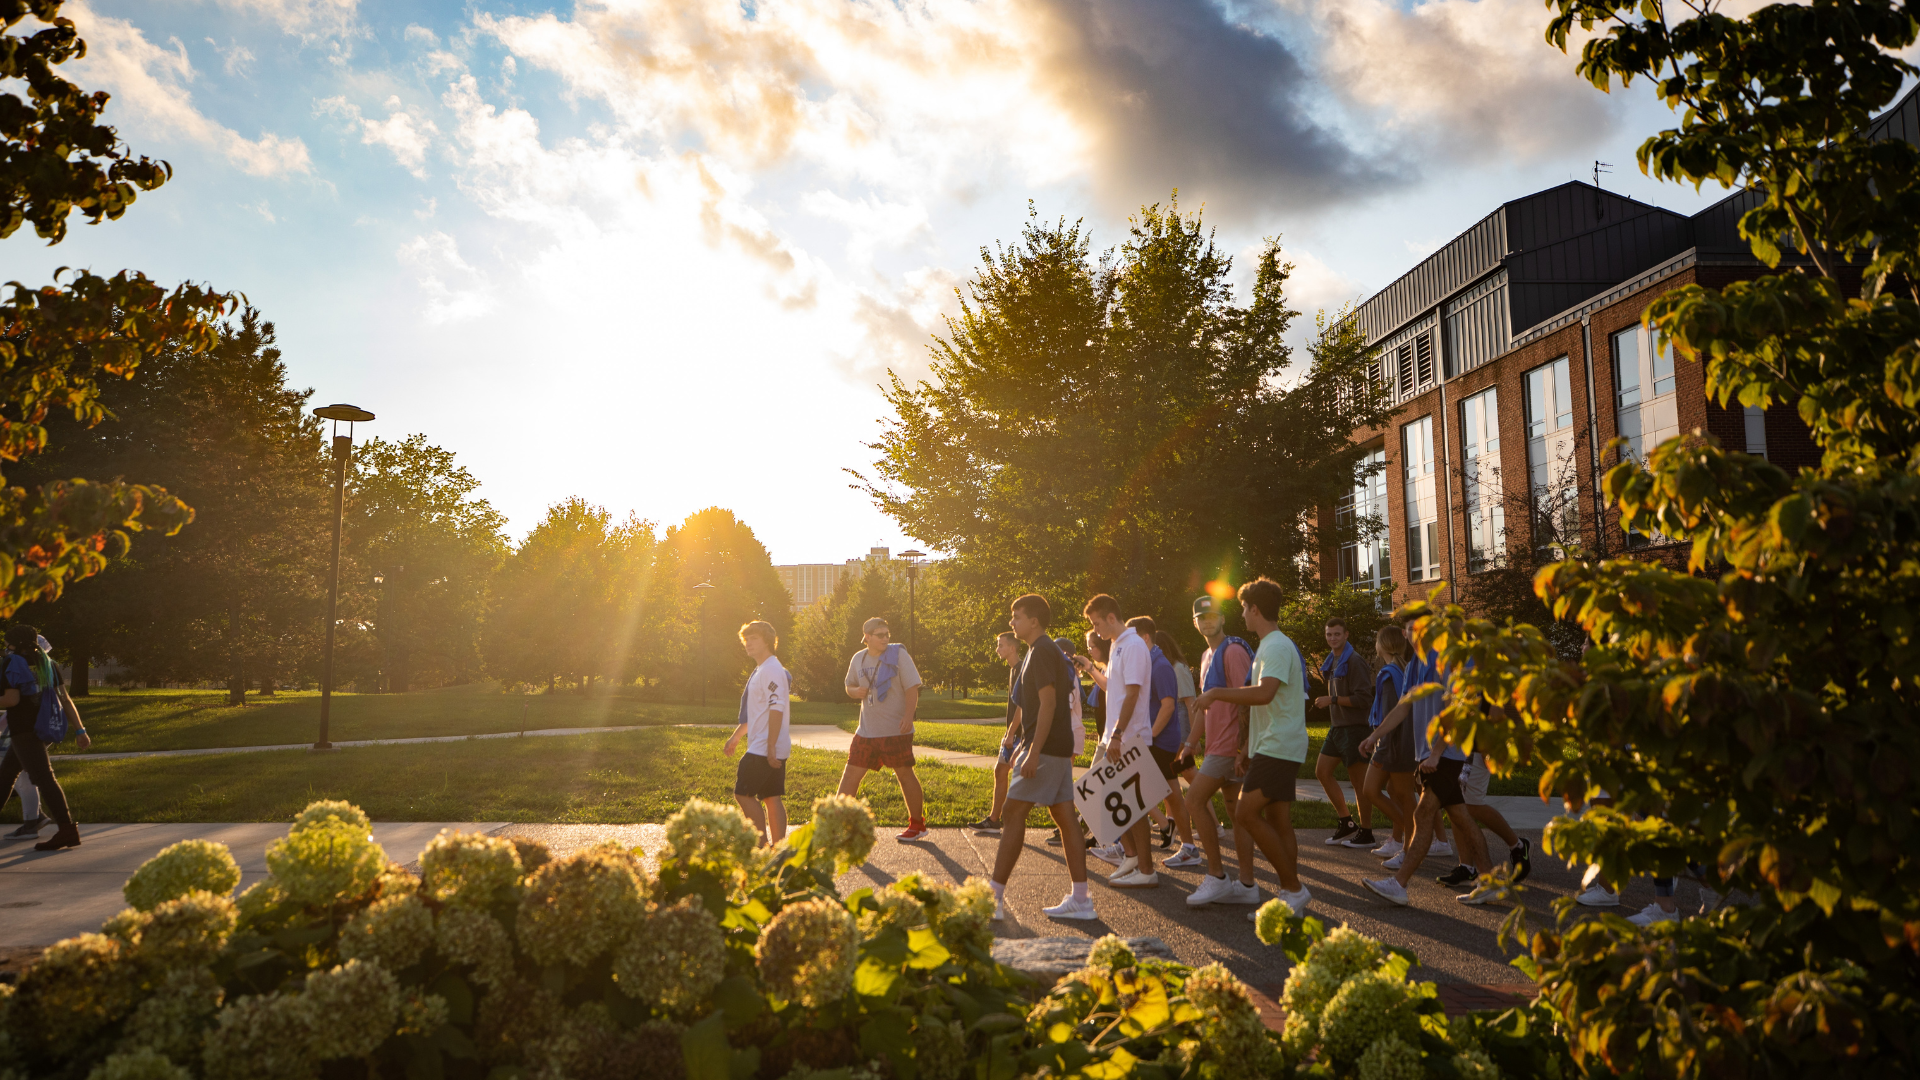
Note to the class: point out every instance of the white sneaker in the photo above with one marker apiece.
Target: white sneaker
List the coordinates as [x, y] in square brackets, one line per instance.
[1243, 894]
[1389, 849]
[1112, 853]
[1133, 879]
[1598, 895]
[1441, 849]
[1298, 901]
[1189, 855]
[1387, 889]
[1395, 863]
[1651, 914]
[999, 911]
[1477, 897]
[1212, 890]
[1127, 866]
[1071, 907]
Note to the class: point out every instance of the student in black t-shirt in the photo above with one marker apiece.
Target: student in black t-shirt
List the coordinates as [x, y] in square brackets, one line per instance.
[1043, 765]
[20, 689]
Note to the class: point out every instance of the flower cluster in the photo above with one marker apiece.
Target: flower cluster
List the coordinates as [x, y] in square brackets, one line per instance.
[962, 918]
[897, 908]
[587, 1043]
[142, 1064]
[327, 813]
[807, 953]
[79, 986]
[259, 905]
[940, 1050]
[1330, 962]
[704, 832]
[354, 1008]
[842, 829]
[392, 931]
[186, 932]
[174, 1019]
[578, 907]
[465, 936]
[180, 869]
[326, 862]
[1111, 953]
[469, 869]
[1390, 1058]
[675, 960]
[262, 1035]
[1369, 1007]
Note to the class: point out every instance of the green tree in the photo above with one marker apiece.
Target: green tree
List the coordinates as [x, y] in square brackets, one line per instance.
[414, 520]
[1119, 424]
[59, 342]
[239, 595]
[1759, 705]
[712, 546]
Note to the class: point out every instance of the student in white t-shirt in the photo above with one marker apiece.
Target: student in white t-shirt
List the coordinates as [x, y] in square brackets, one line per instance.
[760, 783]
[1129, 676]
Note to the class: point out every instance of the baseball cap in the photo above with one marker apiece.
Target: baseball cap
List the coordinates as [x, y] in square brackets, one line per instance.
[1204, 605]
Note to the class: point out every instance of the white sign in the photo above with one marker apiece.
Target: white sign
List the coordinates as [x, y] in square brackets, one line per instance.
[1115, 795]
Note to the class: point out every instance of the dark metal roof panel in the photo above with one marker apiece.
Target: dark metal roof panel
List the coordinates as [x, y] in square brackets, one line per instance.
[1547, 217]
[1901, 121]
[1552, 278]
[1461, 262]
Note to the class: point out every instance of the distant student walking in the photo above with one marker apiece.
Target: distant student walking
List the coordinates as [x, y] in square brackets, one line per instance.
[766, 703]
[26, 674]
[883, 679]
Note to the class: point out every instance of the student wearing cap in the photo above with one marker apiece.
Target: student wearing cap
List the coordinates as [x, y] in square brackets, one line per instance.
[1218, 728]
[883, 679]
[1276, 741]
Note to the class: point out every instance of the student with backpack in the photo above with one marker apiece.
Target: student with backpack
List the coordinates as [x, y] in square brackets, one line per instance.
[28, 680]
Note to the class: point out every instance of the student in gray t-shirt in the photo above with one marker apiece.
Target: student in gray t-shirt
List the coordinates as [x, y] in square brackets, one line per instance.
[884, 680]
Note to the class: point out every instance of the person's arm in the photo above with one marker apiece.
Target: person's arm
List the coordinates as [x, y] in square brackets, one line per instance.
[733, 741]
[1359, 686]
[1042, 726]
[775, 717]
[1161, 721]
[1241, 695]
[854, 690]
[913, 706]
[10, 698]
[1093, 670]
[1012, 737]
[81, 739]
[1127, 703]
[1387, 724]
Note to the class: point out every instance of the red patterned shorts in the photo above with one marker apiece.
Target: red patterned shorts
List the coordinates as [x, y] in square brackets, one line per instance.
[887, 752]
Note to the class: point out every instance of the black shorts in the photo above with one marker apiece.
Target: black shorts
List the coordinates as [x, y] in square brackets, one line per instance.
[1271, 777]
[1443, 782]
[1344, 741]
[1395, 752]
[757, 779]
[1168, 761]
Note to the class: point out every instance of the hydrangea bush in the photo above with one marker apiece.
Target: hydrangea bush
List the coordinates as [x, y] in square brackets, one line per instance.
[726, 962]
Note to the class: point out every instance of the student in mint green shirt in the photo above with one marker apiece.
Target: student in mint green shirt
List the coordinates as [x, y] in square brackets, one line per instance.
[1276, 741]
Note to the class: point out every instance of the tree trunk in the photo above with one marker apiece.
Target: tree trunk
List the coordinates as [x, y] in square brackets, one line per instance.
[236, 677]
[268, 677]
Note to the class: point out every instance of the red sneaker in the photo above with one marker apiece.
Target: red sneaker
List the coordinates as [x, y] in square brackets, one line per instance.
[916, 830]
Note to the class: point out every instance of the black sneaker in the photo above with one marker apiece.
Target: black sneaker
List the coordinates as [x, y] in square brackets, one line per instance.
[1347, 828]
[1166, 837]
[1458, 876]
[1361, 838]
[1521, 856]
[1054, 840]
[986, 826]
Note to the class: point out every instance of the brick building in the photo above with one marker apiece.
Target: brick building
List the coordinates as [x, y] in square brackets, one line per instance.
[1496, 350]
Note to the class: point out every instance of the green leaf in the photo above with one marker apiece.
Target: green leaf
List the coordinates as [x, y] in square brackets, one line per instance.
[874, 978]
[888, 1035]
[738, 999]
[704, 1045]
[928, 953]
[890, 946]
[1824, 894]
[458, 994]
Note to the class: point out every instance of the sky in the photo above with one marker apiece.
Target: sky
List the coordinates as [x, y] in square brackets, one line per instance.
[661, 254]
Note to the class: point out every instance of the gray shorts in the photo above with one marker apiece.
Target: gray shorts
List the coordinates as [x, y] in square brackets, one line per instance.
[1473, 781]
[1218, 766]
[1050, 785]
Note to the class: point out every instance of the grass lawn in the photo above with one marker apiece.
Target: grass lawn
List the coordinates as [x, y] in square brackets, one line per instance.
[613, 777]
[193, 719]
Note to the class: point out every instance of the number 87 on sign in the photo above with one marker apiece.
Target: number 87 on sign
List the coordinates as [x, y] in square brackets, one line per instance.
[1115, 794]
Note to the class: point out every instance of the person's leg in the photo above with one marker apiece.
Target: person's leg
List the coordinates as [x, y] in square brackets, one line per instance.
[1400, 788]
[1251, 816]
[1013, 837]
[1242, 840]
[1496, 822]
[1001, 772]
[750, 806]
[1142, 845]
[1176, 805]
[1470, 846]
[910, 791]
[1426, 814]
[1071, 844]
[1373, 794]
[850, 778]
[32, 756]
[1323, 770]
[1286, 853]
[1200, 814]
[776, 818]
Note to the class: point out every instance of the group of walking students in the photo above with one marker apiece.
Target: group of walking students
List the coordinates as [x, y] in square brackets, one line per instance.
[1239, 731]
[40, 713]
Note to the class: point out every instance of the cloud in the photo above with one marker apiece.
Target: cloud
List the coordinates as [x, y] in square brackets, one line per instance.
[1130, 99]
[401, 133]
[1464, 81]
[309, 20]
[235, 58]
[148, 84]
[455, 291]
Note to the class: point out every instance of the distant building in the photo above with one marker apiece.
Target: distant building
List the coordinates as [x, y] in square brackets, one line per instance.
[810, 582]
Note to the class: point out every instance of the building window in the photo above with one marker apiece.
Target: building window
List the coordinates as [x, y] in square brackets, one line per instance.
[1361, 517]
[1756, 424]
[1422, 503]
[1554, 478]
[1480, 465]
[1647, 408]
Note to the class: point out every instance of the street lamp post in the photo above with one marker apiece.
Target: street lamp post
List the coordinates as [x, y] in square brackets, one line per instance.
[380, 614]
[703, 590]
[913, 574]
[342, 450]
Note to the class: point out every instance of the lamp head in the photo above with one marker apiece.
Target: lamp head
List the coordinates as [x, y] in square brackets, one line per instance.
[349, 413]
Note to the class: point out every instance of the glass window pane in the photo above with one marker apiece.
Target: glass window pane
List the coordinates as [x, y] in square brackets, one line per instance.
[1663, 370]
[1562, 396]
[1536, 402]
[1626, 367]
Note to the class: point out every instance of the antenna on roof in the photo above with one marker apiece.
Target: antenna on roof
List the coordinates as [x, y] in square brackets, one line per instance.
[1599, 206]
